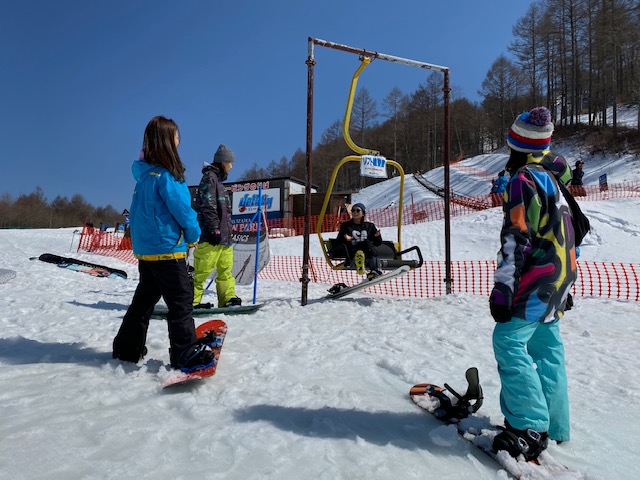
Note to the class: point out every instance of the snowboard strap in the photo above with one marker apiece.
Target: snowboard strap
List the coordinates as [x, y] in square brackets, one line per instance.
[210, 339]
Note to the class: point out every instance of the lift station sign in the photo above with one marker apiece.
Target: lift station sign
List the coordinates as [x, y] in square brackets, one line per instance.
[373, 166]
[246, 202]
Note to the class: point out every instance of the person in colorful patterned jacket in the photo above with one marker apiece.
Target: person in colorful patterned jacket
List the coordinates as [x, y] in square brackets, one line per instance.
[162, 224]
[216, 243]
[536, 269]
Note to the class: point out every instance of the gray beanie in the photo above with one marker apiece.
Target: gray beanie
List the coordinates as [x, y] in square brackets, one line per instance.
[223, 155]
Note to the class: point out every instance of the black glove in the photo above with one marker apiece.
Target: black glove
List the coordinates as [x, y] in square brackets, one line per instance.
[500, 313]
[569, 303]
[216, 237]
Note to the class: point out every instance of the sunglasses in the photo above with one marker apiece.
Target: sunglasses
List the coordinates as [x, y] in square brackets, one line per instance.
[356, 210]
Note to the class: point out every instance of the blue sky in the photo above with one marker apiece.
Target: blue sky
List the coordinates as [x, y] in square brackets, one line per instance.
[79, 80]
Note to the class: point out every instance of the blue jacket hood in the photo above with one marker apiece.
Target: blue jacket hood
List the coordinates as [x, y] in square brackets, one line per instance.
[141, 169]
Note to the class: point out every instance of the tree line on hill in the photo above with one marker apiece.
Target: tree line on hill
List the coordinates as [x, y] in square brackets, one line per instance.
[34, 211]
[577, 57]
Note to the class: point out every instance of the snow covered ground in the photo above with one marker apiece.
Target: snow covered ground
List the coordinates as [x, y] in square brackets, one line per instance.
[314, 392]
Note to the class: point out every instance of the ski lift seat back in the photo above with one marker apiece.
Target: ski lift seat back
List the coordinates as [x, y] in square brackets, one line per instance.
[389, 258]
[337, 250]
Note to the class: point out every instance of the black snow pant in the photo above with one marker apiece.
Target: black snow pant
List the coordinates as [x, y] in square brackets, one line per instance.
[348, 251]
[170, 280]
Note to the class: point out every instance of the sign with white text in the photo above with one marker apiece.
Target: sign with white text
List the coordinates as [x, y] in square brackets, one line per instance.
[246, 202]
[373, 166]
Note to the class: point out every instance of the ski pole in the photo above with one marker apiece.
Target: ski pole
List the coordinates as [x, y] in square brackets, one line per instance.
[255, 271]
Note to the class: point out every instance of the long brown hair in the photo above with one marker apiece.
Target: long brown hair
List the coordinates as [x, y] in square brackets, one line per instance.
[159, 147]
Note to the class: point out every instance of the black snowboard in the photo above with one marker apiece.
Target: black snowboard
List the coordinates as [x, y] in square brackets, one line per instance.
[81, 266]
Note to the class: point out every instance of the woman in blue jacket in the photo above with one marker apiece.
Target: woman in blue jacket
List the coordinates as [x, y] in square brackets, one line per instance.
[162, 225]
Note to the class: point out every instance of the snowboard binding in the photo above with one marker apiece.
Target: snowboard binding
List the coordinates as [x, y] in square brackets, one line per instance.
[337, 288]
[467, 404]
[211, 340]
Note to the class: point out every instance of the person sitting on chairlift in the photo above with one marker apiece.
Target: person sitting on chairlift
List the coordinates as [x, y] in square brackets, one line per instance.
[360, 238]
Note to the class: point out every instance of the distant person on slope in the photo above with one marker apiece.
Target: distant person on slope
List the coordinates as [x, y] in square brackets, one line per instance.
[162, 224]
[536, 269]
[576, 180]
[216, 244]
[359, 239]
[498, 188]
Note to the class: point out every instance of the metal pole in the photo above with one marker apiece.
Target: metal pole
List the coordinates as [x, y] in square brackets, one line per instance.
[381, 56]
[307, 192]
[257, 262]
[447, 194]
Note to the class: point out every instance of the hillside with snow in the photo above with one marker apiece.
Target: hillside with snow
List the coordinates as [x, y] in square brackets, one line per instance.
[473, 176]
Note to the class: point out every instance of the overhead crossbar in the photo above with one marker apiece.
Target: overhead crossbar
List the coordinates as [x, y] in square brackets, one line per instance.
[372, 54]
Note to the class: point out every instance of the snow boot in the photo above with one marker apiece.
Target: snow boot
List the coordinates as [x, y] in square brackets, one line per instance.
[359, 259]
[206, 305]
[233, 302]
[528, 443]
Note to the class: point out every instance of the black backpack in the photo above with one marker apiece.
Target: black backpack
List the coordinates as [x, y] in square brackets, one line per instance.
[581, 224]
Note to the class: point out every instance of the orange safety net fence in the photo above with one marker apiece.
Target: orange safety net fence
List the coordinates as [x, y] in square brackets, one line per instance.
[600, 279]
[614, 280]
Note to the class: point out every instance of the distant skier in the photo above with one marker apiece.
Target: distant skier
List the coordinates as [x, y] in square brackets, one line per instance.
[576, 180]
[536, 269]
[498, 188]
[358, 239]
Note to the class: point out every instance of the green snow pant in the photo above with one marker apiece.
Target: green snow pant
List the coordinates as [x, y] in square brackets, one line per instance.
[206, 258]
[532, 397]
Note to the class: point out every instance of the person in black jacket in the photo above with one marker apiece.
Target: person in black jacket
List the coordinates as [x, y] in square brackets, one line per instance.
[576, 180]
[360, 238]
[214, 216]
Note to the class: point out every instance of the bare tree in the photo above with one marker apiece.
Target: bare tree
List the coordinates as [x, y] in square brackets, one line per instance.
[500, 91]
[363, 114]
[393, 103]
[527, 48]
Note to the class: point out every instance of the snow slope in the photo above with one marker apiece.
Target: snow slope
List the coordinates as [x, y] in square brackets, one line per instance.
[318, 392]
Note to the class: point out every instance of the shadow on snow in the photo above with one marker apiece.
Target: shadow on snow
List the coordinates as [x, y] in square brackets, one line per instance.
[403, 430]
[21, 351]
[101, 305]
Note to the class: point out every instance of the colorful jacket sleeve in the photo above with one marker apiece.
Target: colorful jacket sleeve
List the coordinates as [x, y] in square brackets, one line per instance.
[518, 227]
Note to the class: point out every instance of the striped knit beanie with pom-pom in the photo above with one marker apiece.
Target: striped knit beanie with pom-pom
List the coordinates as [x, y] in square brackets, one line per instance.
[531, 132]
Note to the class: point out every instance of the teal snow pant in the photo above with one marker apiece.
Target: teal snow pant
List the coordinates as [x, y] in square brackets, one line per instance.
[207, 257]
[532, 397]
